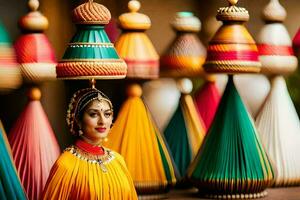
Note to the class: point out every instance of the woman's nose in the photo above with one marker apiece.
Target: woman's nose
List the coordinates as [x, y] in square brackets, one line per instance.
[101, 119]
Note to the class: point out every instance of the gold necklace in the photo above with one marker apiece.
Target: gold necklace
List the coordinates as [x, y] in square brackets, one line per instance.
[101, 160]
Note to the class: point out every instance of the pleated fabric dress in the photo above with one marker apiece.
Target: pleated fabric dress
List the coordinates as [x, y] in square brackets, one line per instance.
[84, 171]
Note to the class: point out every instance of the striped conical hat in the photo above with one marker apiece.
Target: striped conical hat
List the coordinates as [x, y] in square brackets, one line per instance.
[134, 46]
[34, 51]
[274, 43]
[232, 49]
[90, 54]
[186, 54]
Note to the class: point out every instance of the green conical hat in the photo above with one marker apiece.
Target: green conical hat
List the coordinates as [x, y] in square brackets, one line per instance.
[90, 54]
[231, 162]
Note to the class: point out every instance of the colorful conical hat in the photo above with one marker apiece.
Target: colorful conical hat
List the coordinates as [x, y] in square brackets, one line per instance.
[90, 54]
[278, 122]
[33, 49]
[134, 46]
[10, 72]
[10, 187]
[274, 42]
[207, 99]
[231, 162]
[232, 49]
[186, 54]
[279, 129]
[185, 131]
[137, 139]
[34, 146]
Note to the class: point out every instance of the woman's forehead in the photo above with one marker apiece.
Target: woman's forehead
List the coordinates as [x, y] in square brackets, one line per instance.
[96, 104]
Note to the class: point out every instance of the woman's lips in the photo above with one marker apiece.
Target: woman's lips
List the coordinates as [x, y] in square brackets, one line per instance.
[101, 129]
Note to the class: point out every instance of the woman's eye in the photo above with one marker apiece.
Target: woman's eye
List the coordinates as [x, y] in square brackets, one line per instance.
[107, 115]
[93, 114]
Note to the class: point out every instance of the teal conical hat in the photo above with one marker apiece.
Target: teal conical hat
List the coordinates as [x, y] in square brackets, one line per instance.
[10, 187]
[231, 162]
[90, 54]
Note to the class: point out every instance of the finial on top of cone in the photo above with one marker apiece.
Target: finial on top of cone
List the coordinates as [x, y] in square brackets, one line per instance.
[186, 22]
[91, 13]
[185, 85]
[232, 12]
[274, 12]
[134, 20]
[34, 94]
[134, 90]
[34, 21]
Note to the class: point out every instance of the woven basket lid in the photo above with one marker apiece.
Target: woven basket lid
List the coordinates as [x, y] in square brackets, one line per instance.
[10, 71]
[232, 49]
[135, 47]
[186, 54]
[91, 13]
[274, 42]
[90, 54]
[34, 51]
[133, 20]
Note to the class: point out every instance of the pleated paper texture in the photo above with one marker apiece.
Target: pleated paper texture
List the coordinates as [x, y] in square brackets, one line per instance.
[86, 180]
[231, 162]
[135, 136]
[279, 129]
[184, 134]
[10, 187]
[207, 99]
[34, 148]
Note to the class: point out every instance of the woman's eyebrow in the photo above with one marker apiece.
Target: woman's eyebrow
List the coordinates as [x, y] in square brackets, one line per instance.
[92, 109]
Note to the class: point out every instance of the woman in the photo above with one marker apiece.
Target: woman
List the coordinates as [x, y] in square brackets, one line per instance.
[87, 170]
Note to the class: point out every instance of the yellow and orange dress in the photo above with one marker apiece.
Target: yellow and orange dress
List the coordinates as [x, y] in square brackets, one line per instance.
[84, 172]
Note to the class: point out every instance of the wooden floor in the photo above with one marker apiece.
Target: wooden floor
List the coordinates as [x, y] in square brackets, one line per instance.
[290, 193]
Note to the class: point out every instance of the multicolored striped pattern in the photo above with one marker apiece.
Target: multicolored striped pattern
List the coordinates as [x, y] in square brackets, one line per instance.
[36, 56]
[90, 55]
[275, 49]
[184, 57]
[232, 50]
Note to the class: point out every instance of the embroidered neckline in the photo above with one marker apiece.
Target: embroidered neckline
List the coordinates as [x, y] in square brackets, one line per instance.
[101, 160]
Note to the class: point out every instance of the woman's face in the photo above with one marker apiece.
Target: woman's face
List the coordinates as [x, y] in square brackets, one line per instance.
[96, 121]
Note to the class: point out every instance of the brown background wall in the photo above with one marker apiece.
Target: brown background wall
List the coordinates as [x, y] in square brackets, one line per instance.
[56, 94]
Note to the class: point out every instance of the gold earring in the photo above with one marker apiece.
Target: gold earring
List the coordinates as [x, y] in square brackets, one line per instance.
[80, 132]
